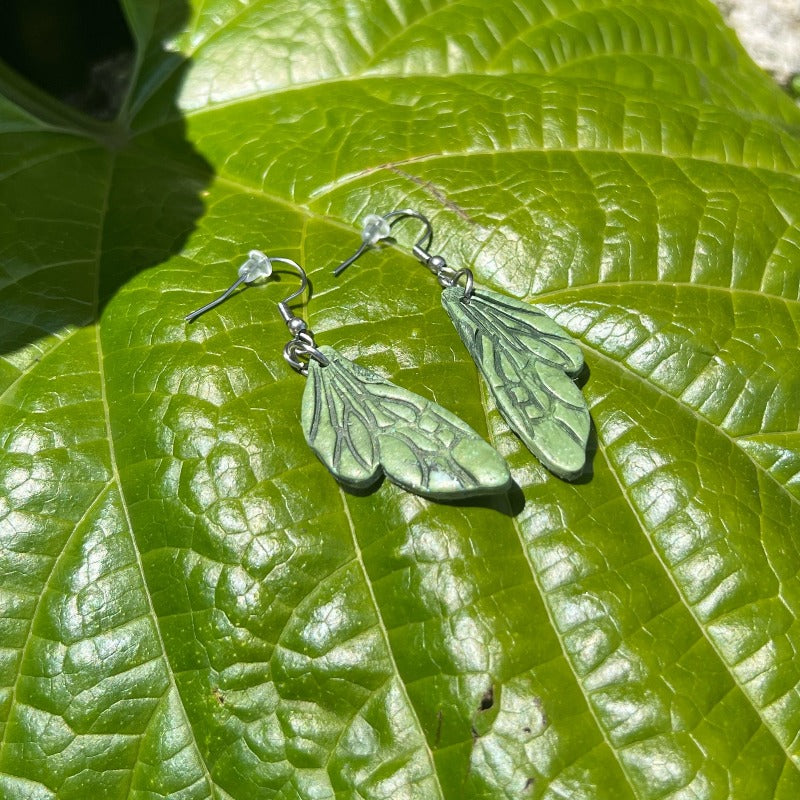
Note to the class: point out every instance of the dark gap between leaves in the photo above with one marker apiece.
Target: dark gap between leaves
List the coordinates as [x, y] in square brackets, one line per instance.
[79, 51]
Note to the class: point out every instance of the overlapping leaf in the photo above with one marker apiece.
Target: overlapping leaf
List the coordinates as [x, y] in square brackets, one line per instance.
[192, 608]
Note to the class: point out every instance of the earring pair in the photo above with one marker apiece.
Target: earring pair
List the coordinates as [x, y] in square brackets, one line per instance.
[361, 426]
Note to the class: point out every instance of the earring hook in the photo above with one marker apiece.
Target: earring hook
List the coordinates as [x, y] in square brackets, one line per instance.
[302, 347]
[283, 305]
[379, 227]
[257, 266]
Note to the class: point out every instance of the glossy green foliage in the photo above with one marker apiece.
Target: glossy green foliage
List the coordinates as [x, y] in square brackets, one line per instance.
[362, 426]
[191, 607]
[527, 361]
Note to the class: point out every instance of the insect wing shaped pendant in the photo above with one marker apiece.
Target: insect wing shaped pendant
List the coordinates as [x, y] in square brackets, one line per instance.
[360, 425]
[528, 362]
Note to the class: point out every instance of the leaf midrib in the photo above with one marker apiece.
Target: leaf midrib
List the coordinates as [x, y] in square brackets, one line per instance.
[658, 283]
[173, 687]
[621, 152]
[673, 9]
[680, 103]
[568, 661]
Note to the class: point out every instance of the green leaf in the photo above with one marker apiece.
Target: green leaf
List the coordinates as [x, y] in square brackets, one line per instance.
[191, 607]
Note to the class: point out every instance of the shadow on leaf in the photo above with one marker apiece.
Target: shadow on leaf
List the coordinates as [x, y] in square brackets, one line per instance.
[87, 205]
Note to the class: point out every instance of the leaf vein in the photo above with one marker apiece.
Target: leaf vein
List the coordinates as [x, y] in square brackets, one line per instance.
[635, 511]
[40, 597]
[794, 501]
[387, 643]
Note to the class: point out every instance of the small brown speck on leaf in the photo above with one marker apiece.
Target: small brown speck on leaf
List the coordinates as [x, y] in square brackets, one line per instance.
[439, 718]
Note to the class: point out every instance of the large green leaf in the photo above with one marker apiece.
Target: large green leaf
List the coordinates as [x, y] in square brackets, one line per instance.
[190, 605]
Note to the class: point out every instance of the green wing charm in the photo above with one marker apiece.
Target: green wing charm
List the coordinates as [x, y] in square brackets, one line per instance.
[360, 425]
[527, 360]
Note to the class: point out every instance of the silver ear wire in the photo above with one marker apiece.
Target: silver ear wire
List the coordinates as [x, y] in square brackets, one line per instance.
[377, 228]
[283, 305]
[257, 266]
[302, 346]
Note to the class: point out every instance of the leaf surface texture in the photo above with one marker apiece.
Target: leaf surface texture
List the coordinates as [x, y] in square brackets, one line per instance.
[190, 605]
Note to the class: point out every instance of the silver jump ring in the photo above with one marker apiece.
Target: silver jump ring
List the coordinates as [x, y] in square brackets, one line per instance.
[469, 283]
[298, 352]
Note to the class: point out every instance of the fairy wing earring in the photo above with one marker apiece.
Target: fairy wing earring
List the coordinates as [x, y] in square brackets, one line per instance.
[361, 425]
[528, 360]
